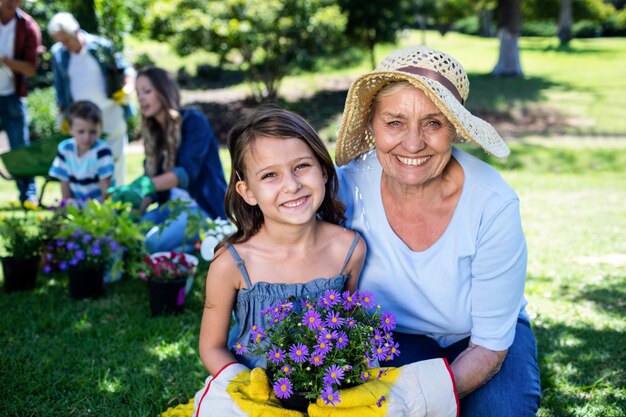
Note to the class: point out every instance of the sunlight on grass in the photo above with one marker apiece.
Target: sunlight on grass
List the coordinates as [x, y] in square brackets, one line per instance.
[166, 350]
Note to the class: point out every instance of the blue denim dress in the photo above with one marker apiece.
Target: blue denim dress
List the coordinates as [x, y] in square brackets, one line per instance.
[261, 295]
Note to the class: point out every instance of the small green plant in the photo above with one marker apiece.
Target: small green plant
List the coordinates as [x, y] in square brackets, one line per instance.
[108, 222]
[21, 236]
[43, 109]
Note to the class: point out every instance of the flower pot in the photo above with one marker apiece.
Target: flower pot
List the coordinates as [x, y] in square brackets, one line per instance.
[167, 297]
[297, 401]
[19, 274]
[86, 282]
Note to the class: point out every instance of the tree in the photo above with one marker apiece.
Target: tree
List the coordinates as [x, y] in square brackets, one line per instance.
[564, 31]
[374, 21]
[509, 17]
[266, 39]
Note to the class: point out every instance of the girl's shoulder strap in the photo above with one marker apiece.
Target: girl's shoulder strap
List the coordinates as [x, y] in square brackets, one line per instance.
[240, 265]
[355, 241]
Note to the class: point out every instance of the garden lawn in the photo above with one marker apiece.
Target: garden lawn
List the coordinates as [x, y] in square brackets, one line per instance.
[110, 358]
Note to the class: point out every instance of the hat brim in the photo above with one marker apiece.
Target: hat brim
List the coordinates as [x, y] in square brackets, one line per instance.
[354, 139]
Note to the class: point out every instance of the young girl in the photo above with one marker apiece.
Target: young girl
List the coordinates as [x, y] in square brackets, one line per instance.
[282, 200]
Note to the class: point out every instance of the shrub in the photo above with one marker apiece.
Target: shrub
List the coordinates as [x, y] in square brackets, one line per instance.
[544, 28]
[587, 29]
[43, 112]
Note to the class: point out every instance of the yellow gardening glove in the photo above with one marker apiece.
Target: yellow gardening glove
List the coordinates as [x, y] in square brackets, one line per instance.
[65, 125]
[237, 391]
[420, 389]
[120, 97]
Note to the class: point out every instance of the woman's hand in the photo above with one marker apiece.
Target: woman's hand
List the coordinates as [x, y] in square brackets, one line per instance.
[475, 366]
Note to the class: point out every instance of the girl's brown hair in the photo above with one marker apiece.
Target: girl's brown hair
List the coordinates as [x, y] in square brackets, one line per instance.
[275, 123]
[161, 143]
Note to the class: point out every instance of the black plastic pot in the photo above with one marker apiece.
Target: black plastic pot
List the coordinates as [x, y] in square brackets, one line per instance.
[86, 282]
[297, 401]
[166, 297]
[19, 274]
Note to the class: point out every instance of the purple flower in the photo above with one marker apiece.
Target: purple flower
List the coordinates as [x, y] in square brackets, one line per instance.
[312, 319]
[366, 375]
[329, 396]
[73, 262]
[380, 352]
[330, 298]
[48, 257]
[277, 356]
[95, 249]
[333, 320]
[388, 321]
[240, 349]
[317, 358]
[299, 352]
[283, 388]
[349, 300]
[327, 335]
[286, 369]
[257, 334]
[351, 323]
[342, 340]
[366, 299]
[47, 268]
[79, 254]
[63, 266]
[393, 351]
[333, 375]
[86, 237]
[323, 346]
[71, 246]
[306, 304]
[114, 246]
[377, 338]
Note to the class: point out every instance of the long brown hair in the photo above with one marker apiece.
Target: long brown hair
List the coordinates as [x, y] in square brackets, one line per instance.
[161, 143]
[276, 123]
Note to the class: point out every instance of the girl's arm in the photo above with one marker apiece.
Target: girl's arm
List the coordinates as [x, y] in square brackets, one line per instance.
[66, 193]
[222, 283]
[355, 265]
[104, 184]
[165, 181]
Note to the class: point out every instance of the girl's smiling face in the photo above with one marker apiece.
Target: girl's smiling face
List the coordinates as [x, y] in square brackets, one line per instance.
[284, 178]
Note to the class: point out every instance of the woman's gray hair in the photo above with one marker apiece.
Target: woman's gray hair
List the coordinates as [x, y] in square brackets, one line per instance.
[63, 22]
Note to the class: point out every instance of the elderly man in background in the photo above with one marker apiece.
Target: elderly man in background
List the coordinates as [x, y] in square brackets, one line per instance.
[87, 67]
[20, 40]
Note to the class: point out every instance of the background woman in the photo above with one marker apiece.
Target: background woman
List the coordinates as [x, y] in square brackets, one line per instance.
[446, 245]
[181, 161]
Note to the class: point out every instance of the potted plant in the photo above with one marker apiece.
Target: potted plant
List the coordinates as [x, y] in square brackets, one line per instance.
[169, 276]
[313, 348]
[85, 257]
[20, 243]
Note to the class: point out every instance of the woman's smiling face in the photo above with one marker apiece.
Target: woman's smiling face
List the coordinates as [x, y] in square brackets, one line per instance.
[413, 138]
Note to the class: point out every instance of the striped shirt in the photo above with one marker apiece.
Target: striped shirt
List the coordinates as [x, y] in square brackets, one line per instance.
[85, 171]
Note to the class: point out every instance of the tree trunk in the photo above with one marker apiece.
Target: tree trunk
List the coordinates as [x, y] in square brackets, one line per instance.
[509, 23]
[485, 23]
[564, 31]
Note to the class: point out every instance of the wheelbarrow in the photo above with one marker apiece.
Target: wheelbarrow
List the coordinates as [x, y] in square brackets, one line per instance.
[33, 160]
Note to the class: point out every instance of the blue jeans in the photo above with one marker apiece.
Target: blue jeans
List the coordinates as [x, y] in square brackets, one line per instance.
[172, 236]
[515, 391]
[14, 120]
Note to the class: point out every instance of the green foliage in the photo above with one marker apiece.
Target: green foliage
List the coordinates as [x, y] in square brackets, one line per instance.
[43, 112]
[113, 20]
[114, 220]
[587, 29]
[20, 236]
[375, 21]
[545, 28]
[264, 39]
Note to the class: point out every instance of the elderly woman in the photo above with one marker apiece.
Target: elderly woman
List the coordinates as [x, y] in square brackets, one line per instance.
[447, 251]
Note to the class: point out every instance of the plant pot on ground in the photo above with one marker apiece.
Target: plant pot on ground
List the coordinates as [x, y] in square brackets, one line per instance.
[19, 274]
[86, 282]
[170, 277]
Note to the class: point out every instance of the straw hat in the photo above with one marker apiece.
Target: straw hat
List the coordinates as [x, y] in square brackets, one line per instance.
[439, 76]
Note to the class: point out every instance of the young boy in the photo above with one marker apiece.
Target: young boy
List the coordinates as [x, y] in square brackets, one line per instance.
[84, 163]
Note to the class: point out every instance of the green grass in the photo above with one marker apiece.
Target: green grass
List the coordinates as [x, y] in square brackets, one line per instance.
[110, 358]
